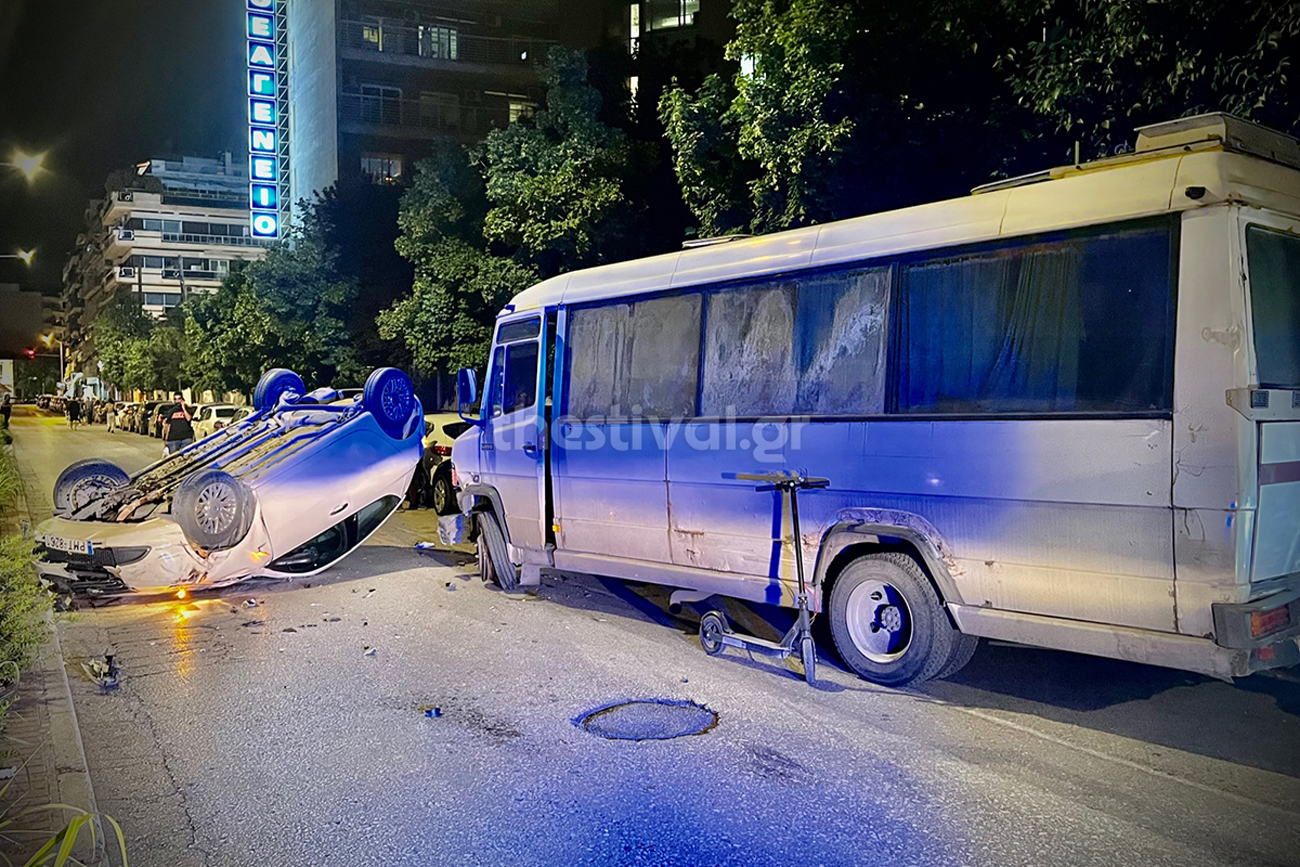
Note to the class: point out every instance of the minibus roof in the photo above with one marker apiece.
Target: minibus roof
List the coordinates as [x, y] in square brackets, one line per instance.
[1172, 171]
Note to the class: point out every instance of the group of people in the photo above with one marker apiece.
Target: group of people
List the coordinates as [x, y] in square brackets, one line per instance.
[177, 418]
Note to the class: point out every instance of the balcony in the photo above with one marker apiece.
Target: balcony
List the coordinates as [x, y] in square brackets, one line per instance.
[418, 118]
[217, 240]
[436, 47]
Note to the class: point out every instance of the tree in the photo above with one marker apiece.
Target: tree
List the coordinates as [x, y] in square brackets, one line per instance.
[290, 309]
[446, 321]
[843, 107]
[1101, 67]
[136, 350]
[546, 194]
[556, 186]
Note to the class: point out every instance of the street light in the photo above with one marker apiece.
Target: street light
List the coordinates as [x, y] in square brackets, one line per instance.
[25, 255]
[30, 165]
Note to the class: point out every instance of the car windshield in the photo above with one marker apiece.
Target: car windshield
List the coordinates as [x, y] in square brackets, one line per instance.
[1274, 259]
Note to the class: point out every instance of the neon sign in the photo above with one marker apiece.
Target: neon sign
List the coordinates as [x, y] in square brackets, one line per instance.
[263, 116]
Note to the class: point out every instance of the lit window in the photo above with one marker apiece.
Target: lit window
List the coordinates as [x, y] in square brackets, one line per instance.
[372, 34]
[634, 86]
[381, 168]
[665, 14]
[748, 63]
[521, 109]
[634, 28]
[439, 42]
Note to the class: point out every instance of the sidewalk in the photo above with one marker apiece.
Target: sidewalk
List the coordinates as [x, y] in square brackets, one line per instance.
[42, 730]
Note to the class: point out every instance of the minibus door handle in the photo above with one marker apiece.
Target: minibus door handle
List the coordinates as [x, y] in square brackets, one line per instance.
[530, 449]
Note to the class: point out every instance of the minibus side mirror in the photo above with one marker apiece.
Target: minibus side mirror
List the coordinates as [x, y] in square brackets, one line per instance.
[467, 393]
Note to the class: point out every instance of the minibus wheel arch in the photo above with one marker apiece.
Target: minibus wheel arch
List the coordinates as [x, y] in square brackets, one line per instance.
[846, 541]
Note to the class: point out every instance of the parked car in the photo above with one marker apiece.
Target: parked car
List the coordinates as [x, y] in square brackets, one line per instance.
[289, 490]
[433, 486]
[144, 418]
[211, 417]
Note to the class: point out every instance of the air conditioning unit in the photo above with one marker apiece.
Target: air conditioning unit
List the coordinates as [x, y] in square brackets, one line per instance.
[126, 234]
[126, 271]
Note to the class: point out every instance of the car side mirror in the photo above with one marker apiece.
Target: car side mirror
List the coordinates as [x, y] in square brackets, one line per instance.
[466, 393]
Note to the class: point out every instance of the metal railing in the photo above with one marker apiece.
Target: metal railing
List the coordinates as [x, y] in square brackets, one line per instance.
[438, 44]
[218, 240]
[420, 114]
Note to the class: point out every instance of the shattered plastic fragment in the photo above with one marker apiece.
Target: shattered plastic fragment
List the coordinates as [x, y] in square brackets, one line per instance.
[430, 711]
[371, 651]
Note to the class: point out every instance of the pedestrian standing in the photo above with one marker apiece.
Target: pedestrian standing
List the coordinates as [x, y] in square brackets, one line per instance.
[6, 408]
[177, 430]
[110, 415]
[74, 412]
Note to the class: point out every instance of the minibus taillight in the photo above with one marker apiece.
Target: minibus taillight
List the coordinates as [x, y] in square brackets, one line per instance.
[1265, 622]
[445, 451]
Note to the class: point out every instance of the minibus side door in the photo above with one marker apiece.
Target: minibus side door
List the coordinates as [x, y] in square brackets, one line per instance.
[511, 446]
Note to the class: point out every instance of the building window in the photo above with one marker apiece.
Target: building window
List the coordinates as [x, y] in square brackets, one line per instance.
[633, 28]
[165, 300]
[152, 225]
[666, 14]
[634, 86]
[372, 34]
[439, 110]
[381, 168]
[381, 105]
[440, 43]
[521, 109]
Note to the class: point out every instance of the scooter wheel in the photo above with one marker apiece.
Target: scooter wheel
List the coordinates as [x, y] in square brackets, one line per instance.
[808, 655]
[712, 628]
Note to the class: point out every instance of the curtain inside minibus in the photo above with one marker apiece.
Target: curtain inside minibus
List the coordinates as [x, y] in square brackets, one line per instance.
[1274, 262]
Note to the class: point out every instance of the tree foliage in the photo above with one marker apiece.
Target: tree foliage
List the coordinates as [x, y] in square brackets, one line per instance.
[136, 350]
[290, 309]
[544, 195]
[1101, 67]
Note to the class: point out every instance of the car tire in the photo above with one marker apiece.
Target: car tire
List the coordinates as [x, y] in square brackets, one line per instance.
[84, 482]
[887, 622]
[214, 509]
[389, 397]
[442, 495]
[494, 556]
[273, 384]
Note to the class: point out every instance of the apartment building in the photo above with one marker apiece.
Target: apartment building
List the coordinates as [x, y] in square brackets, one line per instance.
[372, 83]
[165, 230]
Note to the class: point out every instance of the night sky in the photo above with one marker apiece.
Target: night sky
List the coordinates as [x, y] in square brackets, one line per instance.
[102, 85]
[105, 84]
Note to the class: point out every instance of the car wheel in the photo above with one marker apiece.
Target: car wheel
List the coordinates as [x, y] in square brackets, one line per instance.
[214, 509]
[443, 495]
[887, 621]
[493, 553]
[388, 397]
[273, 384]
[86, 481]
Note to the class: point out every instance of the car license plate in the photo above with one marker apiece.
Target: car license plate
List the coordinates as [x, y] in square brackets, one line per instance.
[69, 546]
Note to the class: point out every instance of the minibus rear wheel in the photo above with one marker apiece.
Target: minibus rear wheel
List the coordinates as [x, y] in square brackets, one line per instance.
[887, 621]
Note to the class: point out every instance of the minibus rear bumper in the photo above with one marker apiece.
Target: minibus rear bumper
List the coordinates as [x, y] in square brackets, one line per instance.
[1265, 630]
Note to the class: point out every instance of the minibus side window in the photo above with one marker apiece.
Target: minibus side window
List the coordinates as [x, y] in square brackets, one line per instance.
[1274, 262]
[520, 381]
[1080, 324]
[635, 359]
[807, 345]
[498, 379]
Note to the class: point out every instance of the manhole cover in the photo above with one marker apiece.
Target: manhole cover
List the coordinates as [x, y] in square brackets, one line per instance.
[651, 719]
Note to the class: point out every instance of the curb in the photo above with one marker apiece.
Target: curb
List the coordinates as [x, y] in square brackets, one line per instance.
[72, 769]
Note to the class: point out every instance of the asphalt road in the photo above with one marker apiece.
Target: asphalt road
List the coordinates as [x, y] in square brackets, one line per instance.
[265, 736]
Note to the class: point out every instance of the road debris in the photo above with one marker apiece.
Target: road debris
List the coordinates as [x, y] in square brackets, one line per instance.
[332, 619]
[288, 629]
[247, 623]
[104, 672]
[450, 586]
[370, 651]
[430, 711]
[250, 603]
[7, 773]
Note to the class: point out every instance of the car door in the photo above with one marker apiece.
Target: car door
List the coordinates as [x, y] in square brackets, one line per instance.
[512, 445]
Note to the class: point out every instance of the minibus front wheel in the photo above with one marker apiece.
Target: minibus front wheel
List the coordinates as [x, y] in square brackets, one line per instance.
[494, 564]
[887, 621]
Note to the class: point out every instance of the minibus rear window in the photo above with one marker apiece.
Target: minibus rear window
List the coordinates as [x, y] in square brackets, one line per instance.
[1274, 262]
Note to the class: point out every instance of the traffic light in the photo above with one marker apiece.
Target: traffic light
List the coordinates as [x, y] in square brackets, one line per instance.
[29, 352]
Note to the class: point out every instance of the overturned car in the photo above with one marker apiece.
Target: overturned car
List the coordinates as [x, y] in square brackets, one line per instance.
[289, 490]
